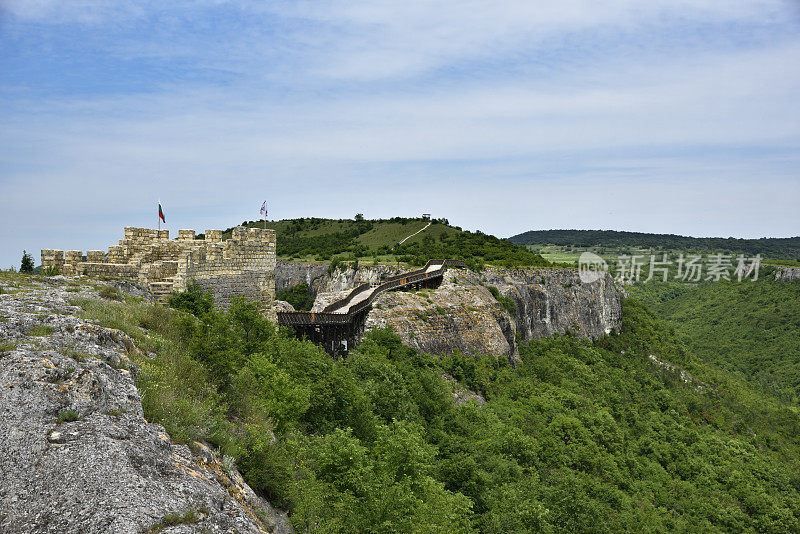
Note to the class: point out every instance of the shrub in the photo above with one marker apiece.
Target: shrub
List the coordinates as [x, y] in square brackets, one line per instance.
[110, 293]
[299, 296]
[189, 517]
[51, 270]
[194, 300]
[41, 330]
[506, 303]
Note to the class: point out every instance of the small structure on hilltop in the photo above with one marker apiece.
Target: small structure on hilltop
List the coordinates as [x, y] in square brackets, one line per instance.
[243, 265]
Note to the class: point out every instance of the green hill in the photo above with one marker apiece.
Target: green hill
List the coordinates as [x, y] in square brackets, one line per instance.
[748, 328]
[775, 248]
[378, 240]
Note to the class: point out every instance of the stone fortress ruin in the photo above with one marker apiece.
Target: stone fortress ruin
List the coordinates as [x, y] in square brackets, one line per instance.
[243, 265]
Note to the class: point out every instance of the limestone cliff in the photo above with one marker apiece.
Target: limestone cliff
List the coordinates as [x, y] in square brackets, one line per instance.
[463, 314]
[76, 453]
[555, 301]
[787, 274]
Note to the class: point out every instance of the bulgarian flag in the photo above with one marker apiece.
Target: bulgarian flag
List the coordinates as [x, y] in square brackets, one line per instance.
[161, 212]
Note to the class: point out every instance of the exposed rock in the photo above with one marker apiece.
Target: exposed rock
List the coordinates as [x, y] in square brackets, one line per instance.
[787, 274]
[282, 305]
[135, 289]
[328, 287]
[685, 377]
[103, 467]
[345, 279]
[328, 297]
[555, 301]
[462, 314]
[288, 274]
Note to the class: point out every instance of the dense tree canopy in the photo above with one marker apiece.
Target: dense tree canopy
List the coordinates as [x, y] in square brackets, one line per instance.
[578, 437]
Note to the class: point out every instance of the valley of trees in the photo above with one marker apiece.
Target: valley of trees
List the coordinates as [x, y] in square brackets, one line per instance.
[750, 329]
[579, 437]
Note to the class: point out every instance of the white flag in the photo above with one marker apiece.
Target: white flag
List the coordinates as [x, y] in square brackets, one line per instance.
[264, 209]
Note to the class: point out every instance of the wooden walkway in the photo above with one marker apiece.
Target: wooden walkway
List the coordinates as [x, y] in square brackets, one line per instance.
[345, 310]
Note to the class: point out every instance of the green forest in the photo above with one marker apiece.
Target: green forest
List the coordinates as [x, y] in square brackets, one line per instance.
[777, 248]
[578, 437]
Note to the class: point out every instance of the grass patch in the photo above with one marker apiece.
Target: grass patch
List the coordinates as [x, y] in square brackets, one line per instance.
[67, 416]
[421, 315]
[41, 330]
[110, 293]
[51, 271]
[7, 346]
[116, 412]
[189, 517]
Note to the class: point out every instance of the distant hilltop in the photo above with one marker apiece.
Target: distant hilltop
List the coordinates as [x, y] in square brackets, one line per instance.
[400, 239]
[778, 248]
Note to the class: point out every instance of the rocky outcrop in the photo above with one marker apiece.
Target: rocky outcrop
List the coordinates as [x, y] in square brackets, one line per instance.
[76, 453]
[460, 315]
[463, 314]
[320, 280]
[289, 274]
[343, 279]
[787, 274]
[555, 301]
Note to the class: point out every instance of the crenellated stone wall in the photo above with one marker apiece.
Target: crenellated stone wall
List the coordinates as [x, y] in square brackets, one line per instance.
[241, 266]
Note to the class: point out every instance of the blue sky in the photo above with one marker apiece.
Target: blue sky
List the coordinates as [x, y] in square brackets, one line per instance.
[675, 116]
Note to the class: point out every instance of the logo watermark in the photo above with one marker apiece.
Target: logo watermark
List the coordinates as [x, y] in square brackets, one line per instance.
[690, 268]
[591, 267]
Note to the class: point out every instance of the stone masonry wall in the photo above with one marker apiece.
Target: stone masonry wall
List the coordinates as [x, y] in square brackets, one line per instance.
[241, 266]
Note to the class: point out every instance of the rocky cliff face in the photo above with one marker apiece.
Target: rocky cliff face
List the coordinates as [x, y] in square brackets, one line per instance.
[288, 274]
[76, 454]
[328, 287]
[555, 301]
[787, 274]
[463, 314]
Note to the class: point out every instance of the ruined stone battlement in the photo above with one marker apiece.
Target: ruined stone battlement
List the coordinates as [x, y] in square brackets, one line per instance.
[243, 265]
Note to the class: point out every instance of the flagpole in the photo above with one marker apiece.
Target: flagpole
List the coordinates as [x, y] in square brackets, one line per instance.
[158, 215]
